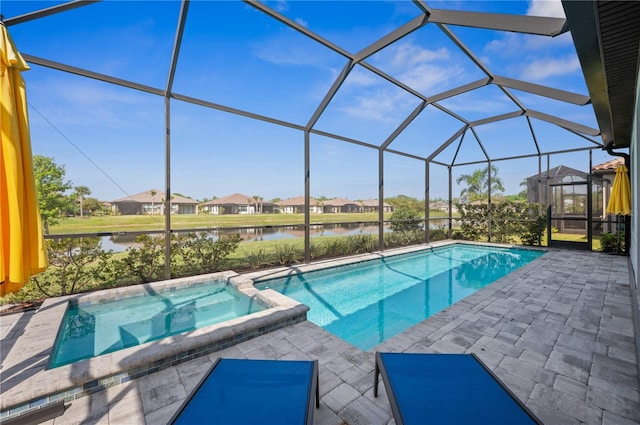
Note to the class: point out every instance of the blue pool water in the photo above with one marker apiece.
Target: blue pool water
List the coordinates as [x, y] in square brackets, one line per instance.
[367, 303]
[89, 330]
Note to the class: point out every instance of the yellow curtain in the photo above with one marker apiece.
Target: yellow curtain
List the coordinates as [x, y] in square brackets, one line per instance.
[23, 252]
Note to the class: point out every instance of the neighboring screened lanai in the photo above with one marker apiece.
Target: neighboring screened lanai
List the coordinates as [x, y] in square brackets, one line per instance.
[377, 90]
[537, 184]
[567, 193]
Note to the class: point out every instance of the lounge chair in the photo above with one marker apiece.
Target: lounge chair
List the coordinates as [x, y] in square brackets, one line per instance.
[447, 389]
[240, 391]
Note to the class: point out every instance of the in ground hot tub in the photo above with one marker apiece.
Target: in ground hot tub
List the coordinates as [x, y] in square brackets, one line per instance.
[93, 328]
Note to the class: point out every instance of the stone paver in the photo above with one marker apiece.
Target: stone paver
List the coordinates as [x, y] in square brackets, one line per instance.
[559, 332]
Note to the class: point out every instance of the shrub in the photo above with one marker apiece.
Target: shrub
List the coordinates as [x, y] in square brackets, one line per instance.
[533, 230]
[363, 243]
[145, 263]
[197, 253]
[336, 247]
[74, 266]
[286, 253]
[438, 234]
[405, 219]
[257, 259]
[609, 242]
[510, 221]
[398, 239]
[473, 221]
[316, 250]
[458, 235]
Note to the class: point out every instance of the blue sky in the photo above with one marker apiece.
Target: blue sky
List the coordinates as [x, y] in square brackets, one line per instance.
[111, 139]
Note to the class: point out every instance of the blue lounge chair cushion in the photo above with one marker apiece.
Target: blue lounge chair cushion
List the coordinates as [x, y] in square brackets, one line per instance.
[240, 391]
[447, 389]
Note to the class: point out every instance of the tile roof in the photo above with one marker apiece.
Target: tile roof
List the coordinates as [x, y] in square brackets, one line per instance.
[298, 200]
[373, 203]
[234, 199]
[609, 165]
[146, 198]
[340, 202]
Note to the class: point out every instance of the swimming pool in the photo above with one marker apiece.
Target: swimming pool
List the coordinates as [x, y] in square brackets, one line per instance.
[368, 302]
[91, 329]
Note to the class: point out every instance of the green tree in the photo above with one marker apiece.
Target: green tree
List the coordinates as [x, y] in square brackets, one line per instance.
[80, 193]
[477, 184]
[94, 206]
[405, 219]
[407, 201]
[50, 188]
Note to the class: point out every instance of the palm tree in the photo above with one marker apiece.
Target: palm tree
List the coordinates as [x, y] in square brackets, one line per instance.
[80, 193]
[153, 195]
[256, 198]
[478, 184]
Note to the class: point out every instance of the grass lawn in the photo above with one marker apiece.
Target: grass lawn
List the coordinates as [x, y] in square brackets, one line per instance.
[130, 223]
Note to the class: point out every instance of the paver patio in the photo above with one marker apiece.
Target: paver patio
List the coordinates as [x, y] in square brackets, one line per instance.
[559, 332]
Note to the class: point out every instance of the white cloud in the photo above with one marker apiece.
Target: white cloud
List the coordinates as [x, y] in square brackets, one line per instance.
[93, 103]
[281, 6]
[302, 22]
[485, 105]
[508, 45]
[544, 68]
[420, 68]
[361, 77]
[429, 79]
[378, 107]
[285, 50]
[549, 8]
[513, 44]
[408, 54]
[372, 98]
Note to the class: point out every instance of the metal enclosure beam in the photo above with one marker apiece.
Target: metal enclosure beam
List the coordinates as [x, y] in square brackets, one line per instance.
[300, 28]
[307, 197]
[404, 125]
[460, 89]
[426, 203]
[569, 125]
[562, 95]
[48, 11]
[495, 118]
[91, 74]
[450, 232]
[184, 8]
[390, 38]
[330, 94]
[536, 25]
[381, 199]
[447, 143]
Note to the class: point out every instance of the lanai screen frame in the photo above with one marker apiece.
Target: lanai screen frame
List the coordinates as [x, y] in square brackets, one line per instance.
[543, 26]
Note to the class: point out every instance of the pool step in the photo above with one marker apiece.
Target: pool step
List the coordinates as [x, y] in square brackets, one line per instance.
[185, 318]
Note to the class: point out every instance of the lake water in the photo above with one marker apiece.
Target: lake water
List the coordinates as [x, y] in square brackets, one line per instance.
[120, 243]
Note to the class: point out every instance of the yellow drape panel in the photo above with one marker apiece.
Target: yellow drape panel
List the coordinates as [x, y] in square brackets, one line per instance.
[23, 252]
[620, 200]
